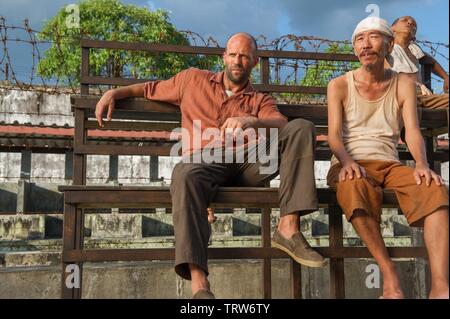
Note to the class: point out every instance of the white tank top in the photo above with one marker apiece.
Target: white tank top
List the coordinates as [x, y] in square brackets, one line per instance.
[371, 129]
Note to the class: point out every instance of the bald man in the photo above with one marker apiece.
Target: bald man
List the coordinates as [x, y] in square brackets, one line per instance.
[225, 102]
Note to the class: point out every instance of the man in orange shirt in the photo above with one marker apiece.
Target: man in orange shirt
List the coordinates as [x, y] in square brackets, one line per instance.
[225, 103]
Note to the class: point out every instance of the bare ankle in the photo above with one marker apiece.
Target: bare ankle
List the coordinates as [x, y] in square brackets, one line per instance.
[439, 291]
[199, 278]
[199, 285]
[289, 225]
[391, 282]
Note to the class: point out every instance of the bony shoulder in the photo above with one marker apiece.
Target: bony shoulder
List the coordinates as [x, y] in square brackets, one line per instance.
[405, 79]
[406, 83]
[338, 82]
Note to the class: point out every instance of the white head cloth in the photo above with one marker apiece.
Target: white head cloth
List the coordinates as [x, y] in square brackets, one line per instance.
[372, 23]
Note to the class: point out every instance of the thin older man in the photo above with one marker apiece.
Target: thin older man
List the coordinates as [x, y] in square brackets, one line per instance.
[366, 111]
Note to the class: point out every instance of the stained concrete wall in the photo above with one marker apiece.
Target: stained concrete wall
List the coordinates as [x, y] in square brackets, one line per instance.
[229, 279]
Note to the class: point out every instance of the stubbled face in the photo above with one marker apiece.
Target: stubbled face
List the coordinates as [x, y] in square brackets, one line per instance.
[239, 59]
[406, 24]
[371, 47]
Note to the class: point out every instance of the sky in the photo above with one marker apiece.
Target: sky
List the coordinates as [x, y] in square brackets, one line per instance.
[331, 19]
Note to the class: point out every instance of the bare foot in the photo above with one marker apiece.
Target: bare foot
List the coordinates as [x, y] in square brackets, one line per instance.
[199, 285]
[439, 294]
[199, 279]
[398, 294]
[391, 284]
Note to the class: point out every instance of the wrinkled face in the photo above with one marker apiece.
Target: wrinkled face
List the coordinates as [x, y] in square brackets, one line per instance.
[239, 59]
[371, 47]
[405, 24]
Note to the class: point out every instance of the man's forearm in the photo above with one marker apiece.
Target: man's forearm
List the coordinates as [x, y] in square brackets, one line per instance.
[270, 123]
[416, 147]
[439, 70]
[338, 149]
[135, 90]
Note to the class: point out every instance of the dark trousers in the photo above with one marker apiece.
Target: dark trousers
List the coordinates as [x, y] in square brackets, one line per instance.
[194, 186]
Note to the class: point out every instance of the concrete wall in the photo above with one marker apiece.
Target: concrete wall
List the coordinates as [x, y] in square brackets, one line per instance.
[229, 279]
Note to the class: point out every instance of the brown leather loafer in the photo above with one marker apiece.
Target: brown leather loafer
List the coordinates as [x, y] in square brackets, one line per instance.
[204, 294]
[298, 248]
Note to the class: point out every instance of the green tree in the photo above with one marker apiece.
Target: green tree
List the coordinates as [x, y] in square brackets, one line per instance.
[322, 72]
[112, 20]
[319, 74]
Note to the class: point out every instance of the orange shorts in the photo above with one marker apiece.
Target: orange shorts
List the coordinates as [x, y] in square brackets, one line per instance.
[433, 101]
[416, 201]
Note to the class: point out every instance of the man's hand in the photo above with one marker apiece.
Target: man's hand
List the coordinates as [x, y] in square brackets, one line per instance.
[425, 90]
[234, 123]
[422, 170]
[351, 170]
[106, 102]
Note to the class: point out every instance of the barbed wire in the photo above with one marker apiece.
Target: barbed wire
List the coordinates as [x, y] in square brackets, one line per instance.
[23, 38]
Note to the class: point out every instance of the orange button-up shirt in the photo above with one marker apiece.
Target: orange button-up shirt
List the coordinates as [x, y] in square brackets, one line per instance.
[201, 96]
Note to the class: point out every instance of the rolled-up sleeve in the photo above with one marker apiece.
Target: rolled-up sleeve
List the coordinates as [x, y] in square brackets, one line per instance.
[268, 109]
[170, 90]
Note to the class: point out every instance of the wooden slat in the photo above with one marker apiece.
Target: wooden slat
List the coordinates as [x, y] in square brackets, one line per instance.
[296, 279]
[277, 88]
[122, 150]
[102, 80]
[69, 244]
[267, 262]
[79, 160]
[150, 47]
[136, 197]
[97, 255]
[432, 119]
[35, 149]
[133, 126]
[84, 69]
[144, 195]
[133, 104]
[265, 70]
[166, 48]
[79, 245]
[337, 266]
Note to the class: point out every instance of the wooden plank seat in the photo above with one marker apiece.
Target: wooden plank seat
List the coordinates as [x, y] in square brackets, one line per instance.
[79, 197]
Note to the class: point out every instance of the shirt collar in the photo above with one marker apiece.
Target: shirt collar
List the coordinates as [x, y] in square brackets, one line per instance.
[218, 78]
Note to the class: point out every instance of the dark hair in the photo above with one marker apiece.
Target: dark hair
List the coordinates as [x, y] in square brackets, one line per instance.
[252, 38]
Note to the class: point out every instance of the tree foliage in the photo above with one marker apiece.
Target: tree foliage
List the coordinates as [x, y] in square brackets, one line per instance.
[112, 20]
